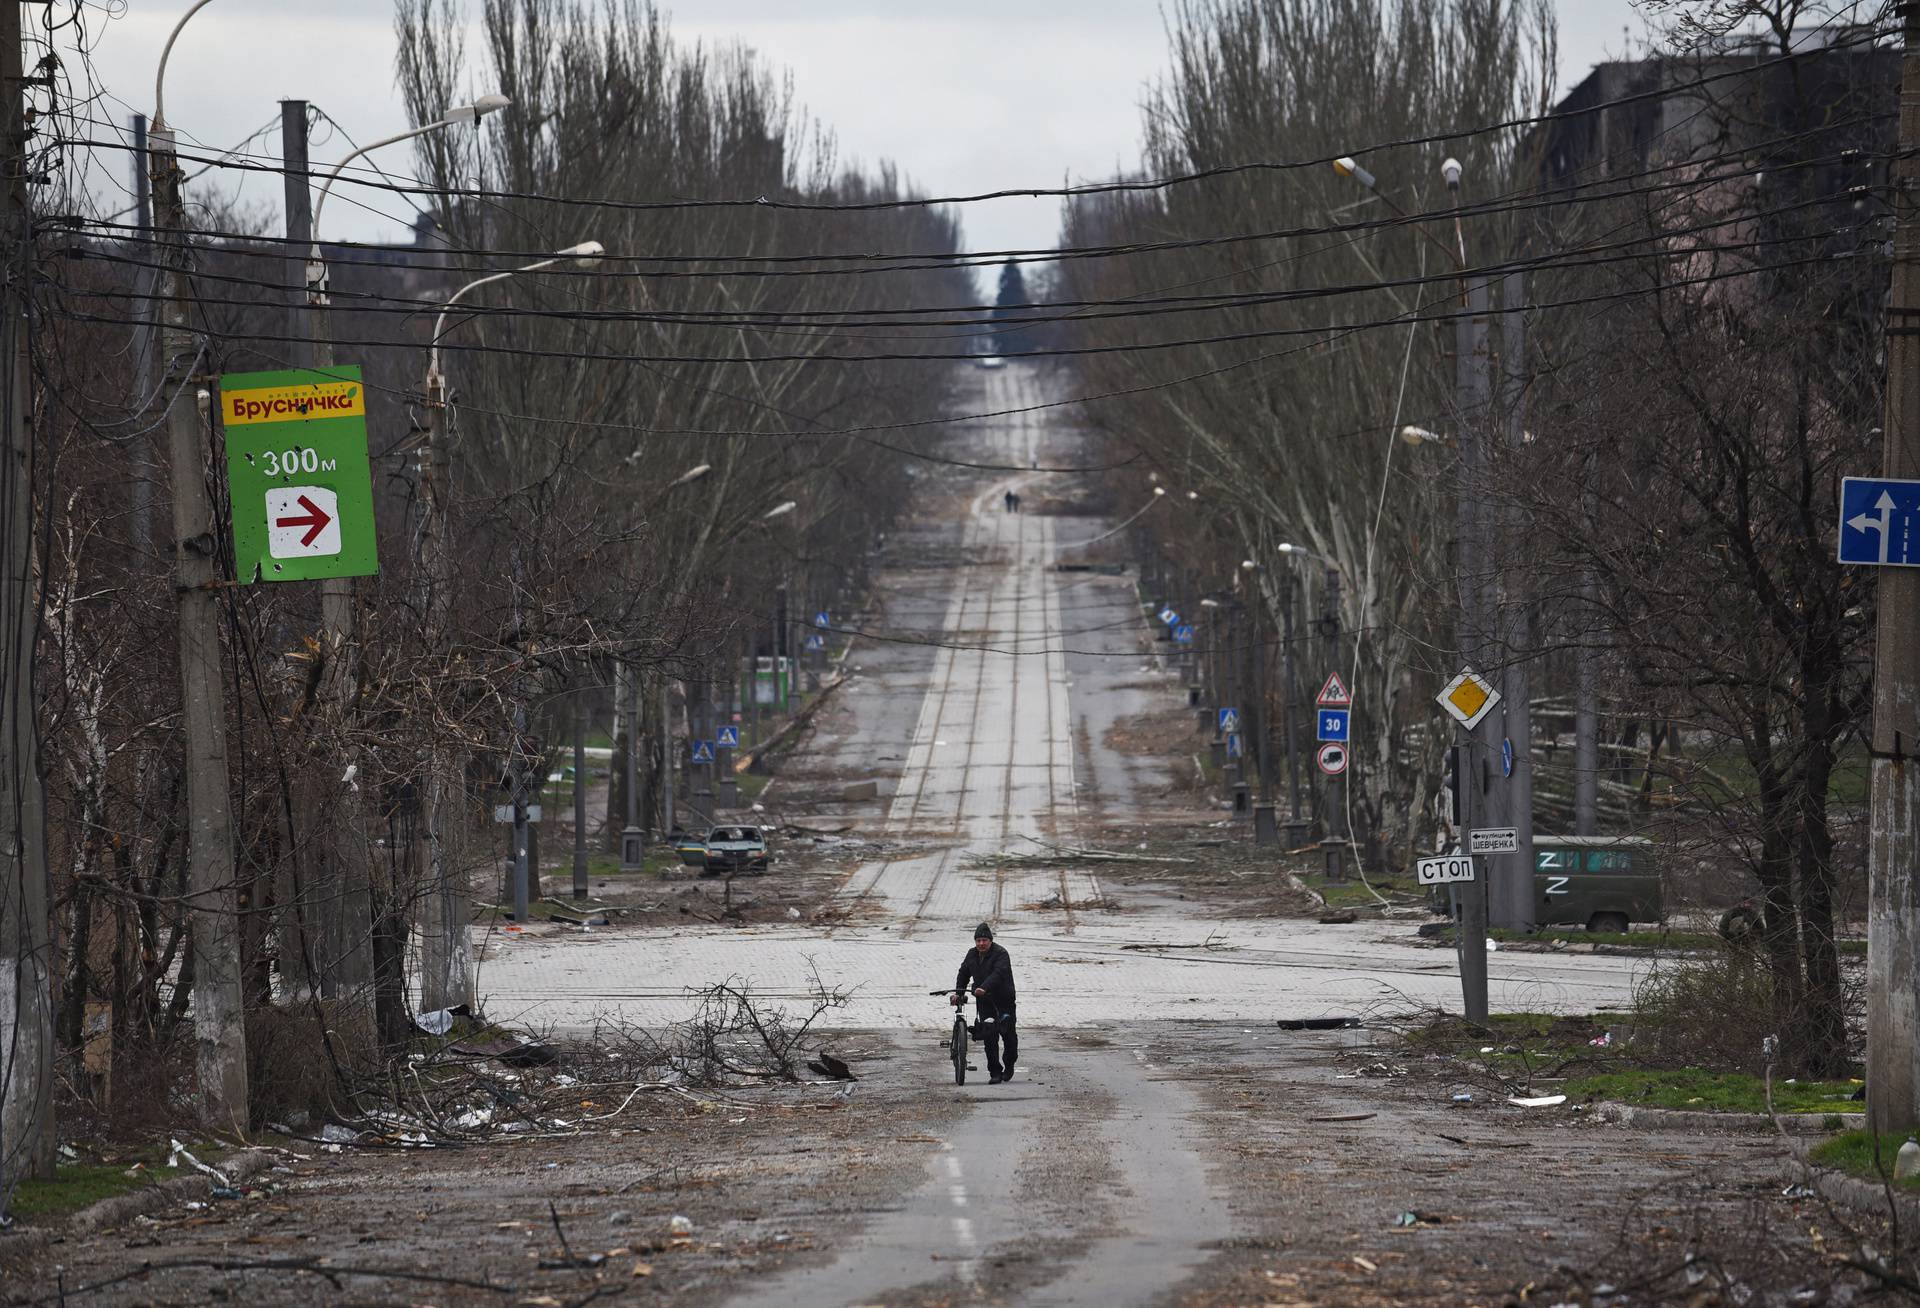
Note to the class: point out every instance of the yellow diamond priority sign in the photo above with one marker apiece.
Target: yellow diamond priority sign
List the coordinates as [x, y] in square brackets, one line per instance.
[1469, 697]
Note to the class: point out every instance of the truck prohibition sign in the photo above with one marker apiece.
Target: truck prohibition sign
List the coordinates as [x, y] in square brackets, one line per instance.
[1444, 871]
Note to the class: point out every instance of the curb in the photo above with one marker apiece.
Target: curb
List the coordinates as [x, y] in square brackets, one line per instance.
[1608, 1110]
[121, 1208]
[1863, 1196]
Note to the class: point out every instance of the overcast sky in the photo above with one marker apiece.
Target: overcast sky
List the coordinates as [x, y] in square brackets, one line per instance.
[964, 97]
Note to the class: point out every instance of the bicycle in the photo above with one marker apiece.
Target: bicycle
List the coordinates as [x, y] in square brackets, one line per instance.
[962, 1029]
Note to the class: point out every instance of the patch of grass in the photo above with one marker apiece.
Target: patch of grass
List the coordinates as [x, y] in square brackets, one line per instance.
[1853, 1153]
[74, 1186]
[1352, 893]
[79, 1184]
[1697, 1090]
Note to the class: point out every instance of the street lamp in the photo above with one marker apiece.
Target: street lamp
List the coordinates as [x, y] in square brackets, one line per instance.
[779, 511]
[454, 117]
[584, 255]
[446, 957]
[1421, 436]
[1450, 171]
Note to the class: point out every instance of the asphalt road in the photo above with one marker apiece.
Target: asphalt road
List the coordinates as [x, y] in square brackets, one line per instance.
[992, 759]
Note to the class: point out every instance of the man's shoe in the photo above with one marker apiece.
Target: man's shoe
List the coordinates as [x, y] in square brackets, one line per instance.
[995, 1080]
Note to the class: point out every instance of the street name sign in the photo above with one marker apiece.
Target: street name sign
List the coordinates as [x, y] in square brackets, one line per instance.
[1468, 698]
[1880, 522]
[728, 737]
[702, 751]
[1334, 724]
[1335, 694]
[297, 474]
[1494, 840]
[1332, 759]
[1229, 720]
[1444, 871]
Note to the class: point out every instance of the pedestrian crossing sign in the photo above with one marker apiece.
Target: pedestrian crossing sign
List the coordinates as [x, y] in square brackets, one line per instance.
[703, 751]
[728, 737]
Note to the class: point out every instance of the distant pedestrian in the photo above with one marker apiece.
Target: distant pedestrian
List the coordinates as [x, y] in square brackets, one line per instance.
[1016, 501]
[1012, 501]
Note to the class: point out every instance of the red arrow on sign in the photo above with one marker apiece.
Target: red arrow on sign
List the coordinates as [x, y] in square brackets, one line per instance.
[315, 522]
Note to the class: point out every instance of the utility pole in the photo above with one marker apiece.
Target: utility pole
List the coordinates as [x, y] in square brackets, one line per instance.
[579, 794]
[666, 756]
[213, 901]
[1471, 378]
[144, 469]
[1512, 893]
[1893, 842]
[26, 940]
[446, 963]
[1296, 822]
[633, 839]
[338, 818]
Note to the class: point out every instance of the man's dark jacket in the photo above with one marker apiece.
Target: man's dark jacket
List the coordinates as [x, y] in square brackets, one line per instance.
[992, 972]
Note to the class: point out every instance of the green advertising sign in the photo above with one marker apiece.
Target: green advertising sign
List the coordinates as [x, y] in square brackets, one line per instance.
[298, 475]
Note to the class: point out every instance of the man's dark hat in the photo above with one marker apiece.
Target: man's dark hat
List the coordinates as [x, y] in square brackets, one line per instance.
[983, 932]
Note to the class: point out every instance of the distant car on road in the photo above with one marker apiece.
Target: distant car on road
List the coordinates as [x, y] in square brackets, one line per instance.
[1601, 883]
[691, 849]
[736, 849]
[990, 361]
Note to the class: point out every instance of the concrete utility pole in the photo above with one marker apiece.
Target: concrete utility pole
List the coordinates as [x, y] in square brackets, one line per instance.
[26, 941]
[1511, 905]
[1470, 376]
[218, 1018]
[579, 794]
[1297, 823]
[144, 470]
[666, 756]
[446, 955]
[1893, 843]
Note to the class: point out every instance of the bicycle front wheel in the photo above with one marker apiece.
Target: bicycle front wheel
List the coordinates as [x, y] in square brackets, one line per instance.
[959, 1051]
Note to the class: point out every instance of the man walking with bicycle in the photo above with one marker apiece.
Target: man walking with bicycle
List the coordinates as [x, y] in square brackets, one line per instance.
[988, 971]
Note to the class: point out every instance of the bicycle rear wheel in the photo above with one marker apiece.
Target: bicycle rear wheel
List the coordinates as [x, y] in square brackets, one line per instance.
[959, 1051]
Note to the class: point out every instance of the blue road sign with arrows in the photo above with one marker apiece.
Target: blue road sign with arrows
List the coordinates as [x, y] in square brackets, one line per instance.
[1333, 724]
[1183, 634]
[1880, 522]
[1229, 720]
[702, 751]
[1235, 746]
[728, 737]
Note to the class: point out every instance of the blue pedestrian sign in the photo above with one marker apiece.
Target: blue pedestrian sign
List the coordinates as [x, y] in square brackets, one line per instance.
[728, 737]
[1229, 721]
[1880, 522]
[702, 751]
[1235, 748]
[1183, 634]
[820, 620]
[1333, 724]
[816, 641]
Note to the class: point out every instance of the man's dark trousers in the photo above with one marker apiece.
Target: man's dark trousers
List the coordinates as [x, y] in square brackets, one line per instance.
[995, 1034]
